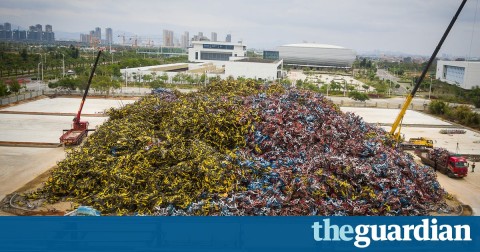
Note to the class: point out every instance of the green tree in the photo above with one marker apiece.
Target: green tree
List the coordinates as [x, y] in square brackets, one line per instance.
[15, 86]
[437, 107]
[24, 55]
[164, 77]
[104, 84]
[357, 96]
[474, 96]
[147, 77]
[3, 89]
[177, 78]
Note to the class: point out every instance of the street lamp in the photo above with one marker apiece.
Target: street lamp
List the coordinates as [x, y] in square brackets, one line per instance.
[126, 78]
[63, 64]
[430, 90]
[328, 85]
[38, 78]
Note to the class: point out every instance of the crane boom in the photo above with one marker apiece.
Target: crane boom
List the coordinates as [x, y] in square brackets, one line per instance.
[77, 118]
[424, 72]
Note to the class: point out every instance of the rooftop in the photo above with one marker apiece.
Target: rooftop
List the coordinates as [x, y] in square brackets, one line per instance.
[314, 45]
[257, 60]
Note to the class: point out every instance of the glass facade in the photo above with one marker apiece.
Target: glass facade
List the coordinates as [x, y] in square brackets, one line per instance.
[215, 56]
[271, 55]
[454, 74]
[215, 46]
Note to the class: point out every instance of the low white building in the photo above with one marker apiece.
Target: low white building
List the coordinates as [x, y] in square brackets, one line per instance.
[465, 74]
[207, 51]
[246, 68]
[254, 68]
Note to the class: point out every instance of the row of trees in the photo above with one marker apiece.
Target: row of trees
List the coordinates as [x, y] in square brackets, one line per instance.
[12, 87]
[333, 88]
[23, 59]
[461, 114]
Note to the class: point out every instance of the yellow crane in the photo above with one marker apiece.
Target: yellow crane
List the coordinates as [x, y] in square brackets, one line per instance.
[409, 98]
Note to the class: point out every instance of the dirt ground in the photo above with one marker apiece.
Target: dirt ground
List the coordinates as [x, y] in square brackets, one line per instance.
[21, 164]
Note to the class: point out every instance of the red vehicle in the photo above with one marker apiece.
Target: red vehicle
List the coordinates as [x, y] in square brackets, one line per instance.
[450, 164]
[79, 129]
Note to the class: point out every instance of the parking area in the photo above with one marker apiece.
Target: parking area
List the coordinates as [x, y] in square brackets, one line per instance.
[26, 123]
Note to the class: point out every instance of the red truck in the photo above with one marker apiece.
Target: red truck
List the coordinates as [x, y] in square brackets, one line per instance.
[450, 164]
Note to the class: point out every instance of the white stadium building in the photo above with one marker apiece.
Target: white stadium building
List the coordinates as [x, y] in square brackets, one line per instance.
[317, 55]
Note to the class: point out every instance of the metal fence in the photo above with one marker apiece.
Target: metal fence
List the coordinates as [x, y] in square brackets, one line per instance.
[19, 97]
[375, 104]
[97, 93]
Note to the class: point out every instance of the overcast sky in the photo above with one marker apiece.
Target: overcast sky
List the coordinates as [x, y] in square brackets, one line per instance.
[409, 26]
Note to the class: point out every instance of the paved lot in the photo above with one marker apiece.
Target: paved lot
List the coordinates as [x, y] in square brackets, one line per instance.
[38, 128]
[373, 115]
[19, 165]
[68, 105]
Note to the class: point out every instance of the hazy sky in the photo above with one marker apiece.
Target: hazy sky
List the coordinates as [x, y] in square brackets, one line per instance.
[410, 26]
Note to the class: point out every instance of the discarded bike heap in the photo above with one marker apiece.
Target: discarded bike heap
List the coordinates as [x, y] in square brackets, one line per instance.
[241, 148]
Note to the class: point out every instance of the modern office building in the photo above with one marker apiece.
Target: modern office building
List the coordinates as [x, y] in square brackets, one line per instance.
[35, 33]
[39, 27]
[317, 55]
[98, 34]
[167, 38]
[202, 51]
[214, 37]
[228, 38]
[185, 40]
[465, 74]
[271, 55]
[108, 36]
[7, 26]
[48, 35]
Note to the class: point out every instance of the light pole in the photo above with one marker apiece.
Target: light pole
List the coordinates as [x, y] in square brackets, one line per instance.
[327, 86]
[63, 64]
[430, 90]
[38, 78]
[139, 79]
[126, 78]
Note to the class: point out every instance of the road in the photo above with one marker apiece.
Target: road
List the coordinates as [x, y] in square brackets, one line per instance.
[385, 75]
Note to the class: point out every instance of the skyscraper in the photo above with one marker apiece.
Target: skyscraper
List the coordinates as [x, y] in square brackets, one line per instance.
[98, 34]
[48, 35]
[109, 36]
[167, 38]
[7, 27]
[228, 38]
[185, 40]
[214, 37]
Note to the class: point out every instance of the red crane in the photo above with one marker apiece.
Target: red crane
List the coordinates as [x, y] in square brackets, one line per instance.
[79, 130]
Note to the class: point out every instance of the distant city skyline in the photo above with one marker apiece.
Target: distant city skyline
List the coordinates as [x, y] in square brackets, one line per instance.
[408, 26]
[35, 33]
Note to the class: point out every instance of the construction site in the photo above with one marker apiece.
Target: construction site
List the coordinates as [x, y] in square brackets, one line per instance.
[231, 148]
[235, 147]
